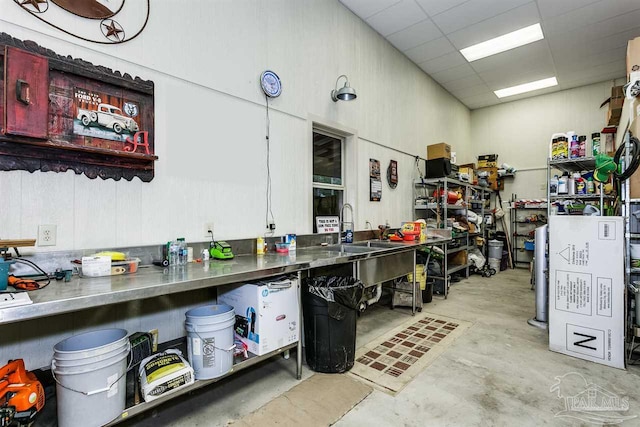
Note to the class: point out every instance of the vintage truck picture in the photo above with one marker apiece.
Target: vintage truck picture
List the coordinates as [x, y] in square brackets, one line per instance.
[101, 116]
[108, 116]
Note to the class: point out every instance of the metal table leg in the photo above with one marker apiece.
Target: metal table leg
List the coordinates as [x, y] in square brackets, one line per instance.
[413, 293]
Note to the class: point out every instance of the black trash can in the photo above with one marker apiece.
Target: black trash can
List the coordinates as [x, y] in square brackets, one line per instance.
[329, 306]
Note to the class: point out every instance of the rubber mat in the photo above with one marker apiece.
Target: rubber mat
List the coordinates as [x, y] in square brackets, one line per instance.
[392, 360]
[320, 400]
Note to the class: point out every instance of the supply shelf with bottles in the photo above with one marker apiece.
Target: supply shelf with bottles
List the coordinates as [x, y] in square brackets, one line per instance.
[435, 201]
[526, 216]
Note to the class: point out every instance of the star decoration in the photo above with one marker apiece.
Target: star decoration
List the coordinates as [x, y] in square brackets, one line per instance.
[34, 3]
[112, 30]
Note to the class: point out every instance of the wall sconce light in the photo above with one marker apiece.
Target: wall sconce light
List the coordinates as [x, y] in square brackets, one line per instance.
[345, 93]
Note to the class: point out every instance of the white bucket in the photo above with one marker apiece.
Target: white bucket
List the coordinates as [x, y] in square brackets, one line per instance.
[210, 340]
[89, 370]
[495, 264]
[495, 249]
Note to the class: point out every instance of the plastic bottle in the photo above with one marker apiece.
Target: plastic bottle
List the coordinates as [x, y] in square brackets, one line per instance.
[571, 183]
[174, 253]
[591, 186]
[562, 184]
[595, 143]
[260, 246]
[581, 187]
[553, 186]
[182, 251]
[582, 139]
[574, 150]
[554, 149]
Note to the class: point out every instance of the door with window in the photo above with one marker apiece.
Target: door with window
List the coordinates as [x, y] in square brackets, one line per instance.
[328, 174]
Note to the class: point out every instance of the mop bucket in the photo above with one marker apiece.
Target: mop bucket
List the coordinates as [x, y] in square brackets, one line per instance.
[89, 370]
[210, 340]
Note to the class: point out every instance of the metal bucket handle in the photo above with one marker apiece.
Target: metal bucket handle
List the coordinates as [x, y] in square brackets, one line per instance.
[88, 393]
[233, 346]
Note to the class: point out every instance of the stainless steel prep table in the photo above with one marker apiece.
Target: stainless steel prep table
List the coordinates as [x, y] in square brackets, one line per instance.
[152, 281]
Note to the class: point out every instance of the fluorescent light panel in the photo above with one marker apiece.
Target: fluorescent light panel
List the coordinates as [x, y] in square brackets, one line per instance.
[503, 43]
[527, 87]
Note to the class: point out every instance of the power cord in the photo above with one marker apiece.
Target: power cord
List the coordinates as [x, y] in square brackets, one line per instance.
[269, 214]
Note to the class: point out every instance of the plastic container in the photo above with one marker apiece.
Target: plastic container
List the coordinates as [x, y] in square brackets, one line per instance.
[282, 247]
[210, 342]
[128, 266]
[529, 245]
[4, 273]
[595, 143]
[89, 370]
[553, 186]
[495, 249]
[563, 187]
[495, 264]
[183, 252]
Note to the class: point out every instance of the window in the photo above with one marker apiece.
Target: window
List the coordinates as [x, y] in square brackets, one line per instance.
[328, 174]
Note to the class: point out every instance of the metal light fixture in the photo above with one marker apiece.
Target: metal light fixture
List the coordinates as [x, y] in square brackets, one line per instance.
[345, 93]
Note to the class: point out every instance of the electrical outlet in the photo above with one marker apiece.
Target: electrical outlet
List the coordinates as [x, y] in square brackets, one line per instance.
[271, 226]
[154, 337]
[47, 235]
[208, 226]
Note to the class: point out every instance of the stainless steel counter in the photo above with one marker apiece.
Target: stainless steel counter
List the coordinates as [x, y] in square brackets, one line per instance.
[151, 281]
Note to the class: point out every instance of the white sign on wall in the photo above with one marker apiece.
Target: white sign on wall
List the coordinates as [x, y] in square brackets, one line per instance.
[586, 288]
[328, 224]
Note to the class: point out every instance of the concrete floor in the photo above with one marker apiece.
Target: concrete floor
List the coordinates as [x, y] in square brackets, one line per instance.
[498, 373]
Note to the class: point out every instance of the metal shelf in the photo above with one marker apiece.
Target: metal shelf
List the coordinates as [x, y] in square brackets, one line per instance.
[634, 235]
[145, 406]
[582, 196]
[449, 181]
[453, 269]
[425, 207]
[568, 165]
[456, 250]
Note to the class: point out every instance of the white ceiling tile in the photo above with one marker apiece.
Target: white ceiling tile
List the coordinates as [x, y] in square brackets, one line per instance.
[551, 8]
[443, 62]
[472, 12]
[590, 80]
[366, 8]
[577, 66]
[454, 73]
[516, 73]
[479, 101]
[460, 89]
[589, 15]
[571, 47]
[499, 25]
[434, 7]
[430, 50]
[415, 35]
[594, 72]
[397, 17]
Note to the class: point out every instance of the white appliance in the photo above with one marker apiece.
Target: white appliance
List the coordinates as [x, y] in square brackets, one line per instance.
[586, 288]
[267, 313]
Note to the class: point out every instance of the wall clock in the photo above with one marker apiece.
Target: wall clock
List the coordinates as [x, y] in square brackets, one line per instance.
[270, 83]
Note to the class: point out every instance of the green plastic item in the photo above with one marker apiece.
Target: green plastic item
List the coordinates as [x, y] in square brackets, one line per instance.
[604, 167]
[220, 250]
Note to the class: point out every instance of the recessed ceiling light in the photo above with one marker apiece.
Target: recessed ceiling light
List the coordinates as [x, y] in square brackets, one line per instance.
[503, 43]
[527, 87]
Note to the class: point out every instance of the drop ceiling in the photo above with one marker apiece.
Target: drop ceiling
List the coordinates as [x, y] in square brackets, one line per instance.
[585, 41]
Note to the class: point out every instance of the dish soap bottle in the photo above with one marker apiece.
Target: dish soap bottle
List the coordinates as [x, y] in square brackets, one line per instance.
[260, 245]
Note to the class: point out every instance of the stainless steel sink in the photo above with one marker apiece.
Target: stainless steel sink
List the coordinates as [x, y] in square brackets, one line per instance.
[348, 248]
[377, 244]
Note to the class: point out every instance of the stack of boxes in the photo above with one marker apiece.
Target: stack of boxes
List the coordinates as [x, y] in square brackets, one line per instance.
[615, 106]
[633, 75]
[489, 163]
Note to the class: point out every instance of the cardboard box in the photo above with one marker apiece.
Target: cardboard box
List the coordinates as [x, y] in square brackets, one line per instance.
[267, 313]
[633, 56]
[494, 180]
[438, 151]
[459, 258]
[586, 288]
[469, 171]
[488, 161]
[613, 117]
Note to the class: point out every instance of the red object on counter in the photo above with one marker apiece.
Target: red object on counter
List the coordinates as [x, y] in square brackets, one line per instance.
[452, 196]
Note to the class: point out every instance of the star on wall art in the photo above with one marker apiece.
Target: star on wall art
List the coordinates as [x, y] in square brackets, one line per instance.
[92, 20]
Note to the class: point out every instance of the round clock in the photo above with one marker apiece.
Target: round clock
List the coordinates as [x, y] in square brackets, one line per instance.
[271, 84]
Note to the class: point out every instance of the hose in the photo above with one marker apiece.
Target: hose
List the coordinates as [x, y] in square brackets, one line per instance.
[635, 159]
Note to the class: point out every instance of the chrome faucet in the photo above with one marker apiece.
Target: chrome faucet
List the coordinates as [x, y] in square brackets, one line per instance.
[342, 221]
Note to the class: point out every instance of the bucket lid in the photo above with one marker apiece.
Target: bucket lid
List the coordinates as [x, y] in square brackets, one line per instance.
[209, 310]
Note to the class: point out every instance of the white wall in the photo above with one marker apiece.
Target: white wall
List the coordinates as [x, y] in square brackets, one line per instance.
[205, 60]
[519, 132]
